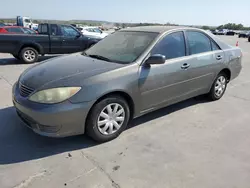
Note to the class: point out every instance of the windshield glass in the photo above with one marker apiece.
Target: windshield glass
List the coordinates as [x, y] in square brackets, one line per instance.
[27, 20]
[122, 47]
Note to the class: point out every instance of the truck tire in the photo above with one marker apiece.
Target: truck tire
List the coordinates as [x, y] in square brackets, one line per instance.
[28, 55]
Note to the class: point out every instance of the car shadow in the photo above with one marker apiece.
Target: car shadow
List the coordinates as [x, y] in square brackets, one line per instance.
[19, 144]
[13, 61]
[168, 110]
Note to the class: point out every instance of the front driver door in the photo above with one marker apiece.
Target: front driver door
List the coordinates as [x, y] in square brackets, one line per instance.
[165, 83]
[71, 39]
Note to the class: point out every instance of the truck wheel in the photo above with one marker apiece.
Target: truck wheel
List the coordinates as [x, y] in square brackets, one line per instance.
[29, 55]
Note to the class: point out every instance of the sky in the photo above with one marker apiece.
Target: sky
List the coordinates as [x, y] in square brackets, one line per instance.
[184, 12]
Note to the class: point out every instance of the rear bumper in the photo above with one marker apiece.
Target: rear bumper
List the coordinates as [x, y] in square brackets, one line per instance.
[57, 120]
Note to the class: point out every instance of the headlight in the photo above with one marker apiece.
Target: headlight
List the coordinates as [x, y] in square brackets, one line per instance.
[55, 95]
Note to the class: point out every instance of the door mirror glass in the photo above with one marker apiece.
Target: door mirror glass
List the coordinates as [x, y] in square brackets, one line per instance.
[156, 59]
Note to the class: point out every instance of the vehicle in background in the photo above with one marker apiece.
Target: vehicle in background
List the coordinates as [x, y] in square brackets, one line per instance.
[16, 30]
[214, 31]
[231, 33]
[222, 31]
[2, 24]
[26, 22]
[52, 39]
[126, 75]
[244, 34]
[92, 31]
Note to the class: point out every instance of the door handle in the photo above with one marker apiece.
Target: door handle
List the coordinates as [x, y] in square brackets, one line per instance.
[219, 57]
[185, 66]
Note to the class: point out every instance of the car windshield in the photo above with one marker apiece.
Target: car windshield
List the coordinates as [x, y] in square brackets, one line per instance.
[122, 47]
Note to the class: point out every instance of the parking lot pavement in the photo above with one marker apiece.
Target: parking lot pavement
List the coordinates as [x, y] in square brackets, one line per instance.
[195, 144]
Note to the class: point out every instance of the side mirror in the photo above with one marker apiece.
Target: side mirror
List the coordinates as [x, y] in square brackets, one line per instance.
[156, 59]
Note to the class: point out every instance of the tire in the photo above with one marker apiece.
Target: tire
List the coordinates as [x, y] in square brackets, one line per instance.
[249, 39]
[28, 55]
[99, 133]
[17, 57]
[214, 93]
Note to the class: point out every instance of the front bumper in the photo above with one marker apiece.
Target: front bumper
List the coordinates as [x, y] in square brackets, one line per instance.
[53, 120]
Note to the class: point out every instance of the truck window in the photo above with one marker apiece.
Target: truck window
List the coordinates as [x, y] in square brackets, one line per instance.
[54, 30]
[68, 31]
[43, 29]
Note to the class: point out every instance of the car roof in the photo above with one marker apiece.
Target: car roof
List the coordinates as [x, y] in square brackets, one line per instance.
[155, 29]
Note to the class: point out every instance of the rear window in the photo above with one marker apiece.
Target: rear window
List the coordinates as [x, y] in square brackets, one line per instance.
[43, 29]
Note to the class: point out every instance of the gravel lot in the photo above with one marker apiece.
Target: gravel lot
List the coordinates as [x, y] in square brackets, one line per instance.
[193, 144]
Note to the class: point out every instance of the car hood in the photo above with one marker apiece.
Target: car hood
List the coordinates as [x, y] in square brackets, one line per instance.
[65, 67]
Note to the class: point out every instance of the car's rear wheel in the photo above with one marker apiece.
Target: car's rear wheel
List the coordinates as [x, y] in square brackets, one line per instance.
[108, 118]
[29, 55]
[219, 87]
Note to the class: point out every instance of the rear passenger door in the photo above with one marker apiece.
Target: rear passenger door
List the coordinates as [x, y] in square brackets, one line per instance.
[206, 58]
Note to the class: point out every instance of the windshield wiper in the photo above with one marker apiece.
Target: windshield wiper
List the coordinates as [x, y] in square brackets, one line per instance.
[98, 57]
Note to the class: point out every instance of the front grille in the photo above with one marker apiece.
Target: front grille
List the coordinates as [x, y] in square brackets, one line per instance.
[24, 90]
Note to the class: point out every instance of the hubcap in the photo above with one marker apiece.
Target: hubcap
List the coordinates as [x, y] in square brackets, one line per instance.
[29, 55]
[111, 119]
[220, 86]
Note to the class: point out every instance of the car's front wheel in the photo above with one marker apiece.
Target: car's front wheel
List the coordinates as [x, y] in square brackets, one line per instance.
[219, 87]
[108, 118]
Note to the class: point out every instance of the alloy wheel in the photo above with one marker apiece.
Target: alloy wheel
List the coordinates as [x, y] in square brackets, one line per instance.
[29, 55]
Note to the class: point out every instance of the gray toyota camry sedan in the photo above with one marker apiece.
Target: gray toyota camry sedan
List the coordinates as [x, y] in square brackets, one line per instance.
[129, 73]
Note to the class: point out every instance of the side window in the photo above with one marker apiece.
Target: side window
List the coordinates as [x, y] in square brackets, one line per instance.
[54, 30]
[198, 42]
[90, 30]
[43, 29]
[172, 46]
[68, 31]
[97, 30]
[214, 46]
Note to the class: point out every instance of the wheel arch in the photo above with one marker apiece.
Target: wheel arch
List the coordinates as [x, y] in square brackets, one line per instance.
[119, 93]
[37, 47]
[227, 72]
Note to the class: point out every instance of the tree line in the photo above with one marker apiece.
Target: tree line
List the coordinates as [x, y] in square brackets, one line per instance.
[231, 26]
